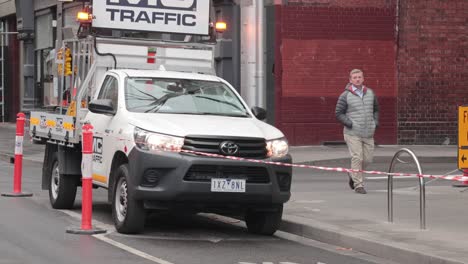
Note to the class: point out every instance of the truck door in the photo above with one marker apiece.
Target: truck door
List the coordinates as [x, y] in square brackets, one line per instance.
[104, 144]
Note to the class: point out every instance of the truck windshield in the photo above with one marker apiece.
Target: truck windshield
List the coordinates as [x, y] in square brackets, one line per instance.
[182, 96]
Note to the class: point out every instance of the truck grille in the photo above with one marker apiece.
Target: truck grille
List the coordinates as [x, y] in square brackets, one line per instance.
[247, 147]
[205, 173]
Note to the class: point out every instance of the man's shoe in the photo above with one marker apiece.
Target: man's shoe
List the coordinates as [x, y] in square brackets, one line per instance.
[351, 182]
[360, 190]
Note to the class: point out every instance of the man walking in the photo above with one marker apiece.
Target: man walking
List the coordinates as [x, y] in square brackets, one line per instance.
[358, 110]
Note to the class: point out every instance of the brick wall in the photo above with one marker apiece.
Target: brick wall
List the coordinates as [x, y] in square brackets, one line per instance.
[432, 69]
[319, 42]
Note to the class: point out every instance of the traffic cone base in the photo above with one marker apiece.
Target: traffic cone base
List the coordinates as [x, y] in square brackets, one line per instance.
[79, 231]
[21, 194]
[463, 184]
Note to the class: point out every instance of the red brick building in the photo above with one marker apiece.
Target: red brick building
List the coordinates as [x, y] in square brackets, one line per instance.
[413, 54]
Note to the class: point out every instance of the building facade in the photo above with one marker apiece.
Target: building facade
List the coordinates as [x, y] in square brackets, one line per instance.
[413, 54]
[9, 63]
[45, 35]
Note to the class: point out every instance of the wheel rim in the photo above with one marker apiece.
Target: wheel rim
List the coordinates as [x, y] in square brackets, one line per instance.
[55, 180]
[121, 200]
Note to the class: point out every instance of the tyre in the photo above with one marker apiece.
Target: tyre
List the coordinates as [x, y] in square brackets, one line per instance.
[128, 214]
[62, 188]
[264, 223]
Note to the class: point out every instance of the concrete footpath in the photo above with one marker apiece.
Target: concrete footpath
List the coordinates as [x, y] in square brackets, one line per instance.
[359, 222]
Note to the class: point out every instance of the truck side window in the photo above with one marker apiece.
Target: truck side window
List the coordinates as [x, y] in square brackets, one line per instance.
[109, 90]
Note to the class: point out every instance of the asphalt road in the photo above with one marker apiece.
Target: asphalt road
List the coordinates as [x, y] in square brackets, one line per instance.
[32, 232]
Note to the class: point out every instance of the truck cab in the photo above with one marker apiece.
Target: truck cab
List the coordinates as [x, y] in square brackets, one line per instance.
[160, 142]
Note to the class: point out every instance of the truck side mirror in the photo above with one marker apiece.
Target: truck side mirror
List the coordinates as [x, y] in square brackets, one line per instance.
[259, 112]
[102, 106]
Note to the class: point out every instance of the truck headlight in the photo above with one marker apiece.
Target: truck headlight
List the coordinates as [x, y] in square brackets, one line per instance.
[151, 141]
[277, 148]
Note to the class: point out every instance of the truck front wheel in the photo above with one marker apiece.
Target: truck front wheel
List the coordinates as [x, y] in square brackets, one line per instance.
[264, 222]
[62, 188]
[128, 213]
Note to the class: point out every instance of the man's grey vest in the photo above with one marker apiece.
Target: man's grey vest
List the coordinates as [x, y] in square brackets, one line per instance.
[358, 115]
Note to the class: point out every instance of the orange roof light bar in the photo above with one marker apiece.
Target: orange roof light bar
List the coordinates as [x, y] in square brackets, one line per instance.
[84, 17]
[220, 26]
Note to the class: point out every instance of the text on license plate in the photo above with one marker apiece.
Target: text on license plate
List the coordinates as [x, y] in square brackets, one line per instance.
[228, 185]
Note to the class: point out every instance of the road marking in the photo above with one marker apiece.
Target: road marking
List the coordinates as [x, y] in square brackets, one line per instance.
[134, 251]
[274, 263]
[309, 201]
[255, 263]
[207, 238]
[109, 228]
[312, 209]
[212, 239]
[114, 243]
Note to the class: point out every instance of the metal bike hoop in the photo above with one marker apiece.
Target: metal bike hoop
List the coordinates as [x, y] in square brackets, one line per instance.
[422, 188]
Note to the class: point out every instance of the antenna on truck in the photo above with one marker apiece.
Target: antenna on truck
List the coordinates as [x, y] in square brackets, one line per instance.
[104, 54]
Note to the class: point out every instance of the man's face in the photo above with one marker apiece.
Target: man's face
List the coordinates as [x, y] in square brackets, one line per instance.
[356, 78]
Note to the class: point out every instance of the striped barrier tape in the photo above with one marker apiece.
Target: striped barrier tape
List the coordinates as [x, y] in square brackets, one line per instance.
[339, 169]
[460, 178]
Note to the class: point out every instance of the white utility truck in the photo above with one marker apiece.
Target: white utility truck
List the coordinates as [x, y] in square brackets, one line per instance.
[163, 122]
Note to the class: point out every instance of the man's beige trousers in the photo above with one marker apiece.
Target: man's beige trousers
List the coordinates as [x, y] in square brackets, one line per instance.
[361, 151]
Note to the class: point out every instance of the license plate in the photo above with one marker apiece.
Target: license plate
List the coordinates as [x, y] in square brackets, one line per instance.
[228, 185]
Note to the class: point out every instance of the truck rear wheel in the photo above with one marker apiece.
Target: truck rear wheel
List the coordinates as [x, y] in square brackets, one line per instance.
[128, 214]
[62, 189]
[263, 223]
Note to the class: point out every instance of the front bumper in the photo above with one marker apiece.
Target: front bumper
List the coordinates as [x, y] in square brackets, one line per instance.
[173, 188]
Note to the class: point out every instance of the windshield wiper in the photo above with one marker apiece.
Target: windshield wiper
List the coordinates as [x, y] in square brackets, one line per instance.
[219, 101]
[205, 113]
[158, 103]
[221, 114]
[144, 97]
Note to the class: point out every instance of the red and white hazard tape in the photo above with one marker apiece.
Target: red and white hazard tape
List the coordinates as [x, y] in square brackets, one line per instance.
[339, 169]
[460, 178]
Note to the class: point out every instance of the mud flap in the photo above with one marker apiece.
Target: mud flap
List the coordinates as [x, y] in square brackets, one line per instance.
[50, 149]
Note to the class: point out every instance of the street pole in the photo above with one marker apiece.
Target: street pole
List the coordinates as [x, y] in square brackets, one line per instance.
[252, 52]
[260, 53]
[25, 26]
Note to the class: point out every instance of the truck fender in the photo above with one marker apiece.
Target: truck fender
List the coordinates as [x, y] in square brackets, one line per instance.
[118, 159]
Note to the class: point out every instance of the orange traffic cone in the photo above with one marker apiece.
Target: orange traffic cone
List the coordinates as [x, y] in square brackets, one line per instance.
[462, 183]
